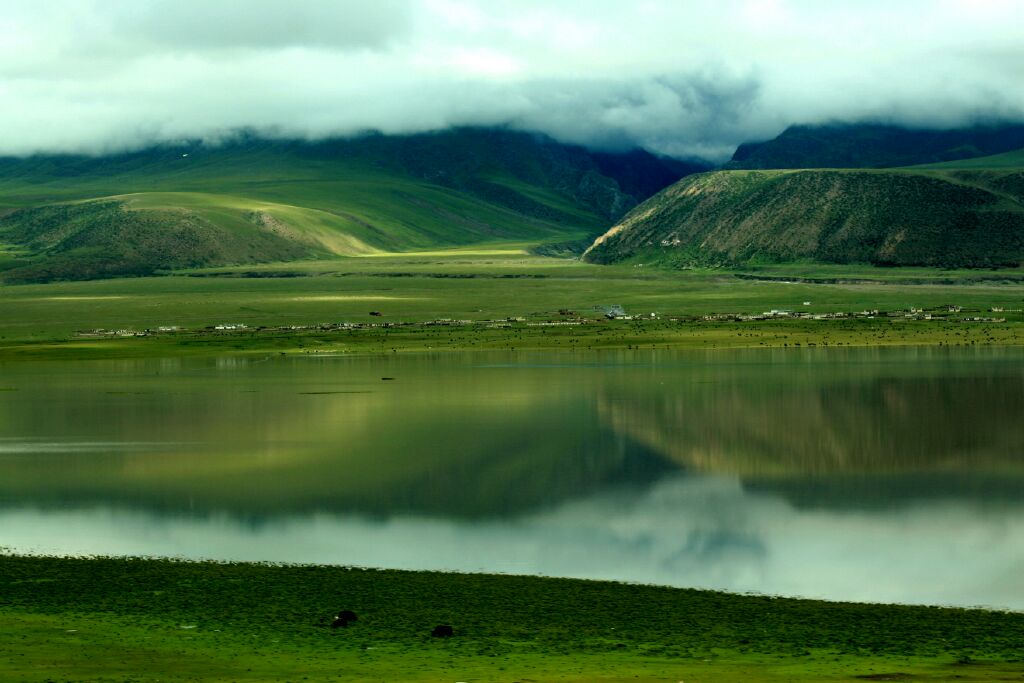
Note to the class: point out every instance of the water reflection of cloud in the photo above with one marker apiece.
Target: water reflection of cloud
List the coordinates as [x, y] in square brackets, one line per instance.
[685, 531]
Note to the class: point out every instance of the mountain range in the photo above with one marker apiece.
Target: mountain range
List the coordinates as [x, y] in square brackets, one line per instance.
[253, 200]
[831, 193]
[874, 145]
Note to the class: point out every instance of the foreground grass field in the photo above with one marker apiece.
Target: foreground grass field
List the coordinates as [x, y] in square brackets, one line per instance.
[494, 283]
[146, 620]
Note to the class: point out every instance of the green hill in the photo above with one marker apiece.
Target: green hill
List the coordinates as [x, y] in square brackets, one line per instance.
[255, 200]
[948, 218]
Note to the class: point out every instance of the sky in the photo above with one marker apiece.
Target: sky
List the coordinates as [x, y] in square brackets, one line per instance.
[678, 77]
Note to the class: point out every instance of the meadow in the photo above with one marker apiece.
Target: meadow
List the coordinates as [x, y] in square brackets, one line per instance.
[101, 619]
[493, 283]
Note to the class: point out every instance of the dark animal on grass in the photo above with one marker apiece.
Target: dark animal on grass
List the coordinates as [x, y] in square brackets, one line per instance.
[343, 619]
[442, 631]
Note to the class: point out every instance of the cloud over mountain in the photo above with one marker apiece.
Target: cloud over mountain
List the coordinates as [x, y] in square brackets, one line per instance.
[691, 78]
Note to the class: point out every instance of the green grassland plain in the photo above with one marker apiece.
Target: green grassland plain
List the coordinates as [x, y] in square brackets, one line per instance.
[101, 619]
[492, 283]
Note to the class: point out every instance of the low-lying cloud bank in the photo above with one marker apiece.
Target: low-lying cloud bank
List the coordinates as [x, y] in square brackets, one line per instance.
[686, 79]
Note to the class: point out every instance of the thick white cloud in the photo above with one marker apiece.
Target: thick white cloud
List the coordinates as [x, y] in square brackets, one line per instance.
[681, 78]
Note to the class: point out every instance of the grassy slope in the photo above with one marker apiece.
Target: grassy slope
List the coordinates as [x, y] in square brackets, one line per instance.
[242, 198]
[952, 216]
[109, 619]
[107, 238]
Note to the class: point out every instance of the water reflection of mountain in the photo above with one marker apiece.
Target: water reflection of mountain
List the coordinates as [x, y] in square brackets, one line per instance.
[265, 440]
[520, 482]
[884, 425]
[461, 439]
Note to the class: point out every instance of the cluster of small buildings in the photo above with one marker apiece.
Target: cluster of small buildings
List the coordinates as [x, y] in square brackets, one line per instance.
[911, 314]
[100, 332]
[776, 314]
[616, 312]
[555, 323]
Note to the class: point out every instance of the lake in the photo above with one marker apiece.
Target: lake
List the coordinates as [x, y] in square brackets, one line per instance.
[891, 475]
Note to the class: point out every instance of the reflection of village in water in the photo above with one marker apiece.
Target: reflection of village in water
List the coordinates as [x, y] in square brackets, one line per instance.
[745, 470]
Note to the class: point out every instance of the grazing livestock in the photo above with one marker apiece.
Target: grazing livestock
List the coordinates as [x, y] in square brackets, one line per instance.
[442, 631]
[344, 618]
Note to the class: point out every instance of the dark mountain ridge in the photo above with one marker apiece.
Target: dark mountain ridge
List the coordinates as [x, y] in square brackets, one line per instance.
[874, 145]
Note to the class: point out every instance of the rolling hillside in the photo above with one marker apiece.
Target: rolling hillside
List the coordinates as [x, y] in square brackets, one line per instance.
[956, 216]
[253, 200]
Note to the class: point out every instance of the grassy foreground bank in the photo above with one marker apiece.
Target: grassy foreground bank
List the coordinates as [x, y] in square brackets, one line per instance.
[145, 620]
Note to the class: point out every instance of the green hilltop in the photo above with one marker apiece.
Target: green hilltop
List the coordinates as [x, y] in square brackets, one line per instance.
[259, 201]
[961, 214]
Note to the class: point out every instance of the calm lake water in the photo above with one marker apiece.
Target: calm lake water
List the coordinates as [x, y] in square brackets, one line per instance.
[879, 475]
